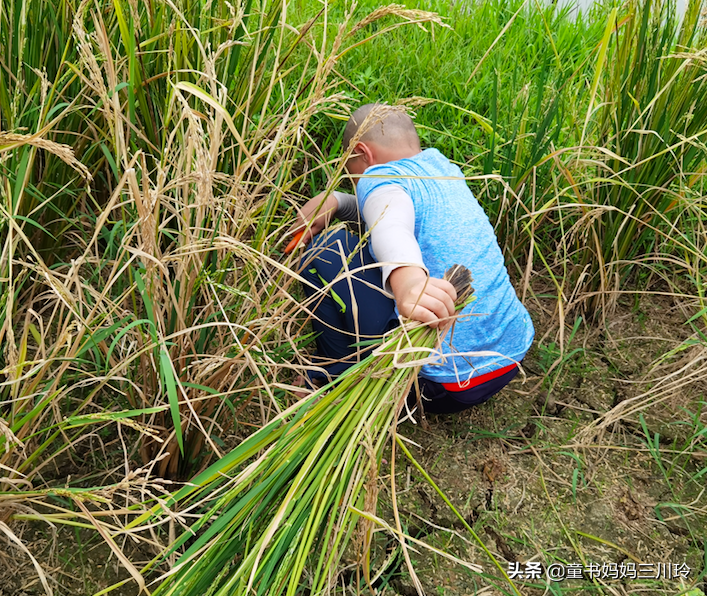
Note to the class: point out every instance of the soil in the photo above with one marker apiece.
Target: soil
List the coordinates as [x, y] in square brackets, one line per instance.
[559, 469]
[538, 487]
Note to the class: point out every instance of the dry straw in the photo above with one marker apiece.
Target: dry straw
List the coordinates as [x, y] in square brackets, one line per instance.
[154, 313]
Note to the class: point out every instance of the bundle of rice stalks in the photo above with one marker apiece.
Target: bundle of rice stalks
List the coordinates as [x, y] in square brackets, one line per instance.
[283, 521]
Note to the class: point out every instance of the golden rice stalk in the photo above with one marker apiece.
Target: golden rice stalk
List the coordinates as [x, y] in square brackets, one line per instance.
[11, 140]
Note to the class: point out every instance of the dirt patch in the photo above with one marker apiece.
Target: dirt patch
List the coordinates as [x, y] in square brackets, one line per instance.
[621, 509]
[74, 562]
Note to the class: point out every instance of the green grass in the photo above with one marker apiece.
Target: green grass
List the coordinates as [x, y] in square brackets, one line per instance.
[567, 170]
[525, 87]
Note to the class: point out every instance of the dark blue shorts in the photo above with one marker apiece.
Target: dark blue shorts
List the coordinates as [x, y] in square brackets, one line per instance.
[438, 400]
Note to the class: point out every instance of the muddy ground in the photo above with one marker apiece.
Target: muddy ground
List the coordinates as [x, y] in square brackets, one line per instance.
[592, 466]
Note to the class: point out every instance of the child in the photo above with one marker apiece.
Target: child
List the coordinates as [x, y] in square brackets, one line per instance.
[422, 219]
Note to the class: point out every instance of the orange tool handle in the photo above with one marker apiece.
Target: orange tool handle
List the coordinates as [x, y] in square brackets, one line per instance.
[294, 242]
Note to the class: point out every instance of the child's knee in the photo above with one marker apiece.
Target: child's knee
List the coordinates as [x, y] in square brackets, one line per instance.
[336, 240]
[326, 255]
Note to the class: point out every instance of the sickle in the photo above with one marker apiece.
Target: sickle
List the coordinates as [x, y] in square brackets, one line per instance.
[294, 242]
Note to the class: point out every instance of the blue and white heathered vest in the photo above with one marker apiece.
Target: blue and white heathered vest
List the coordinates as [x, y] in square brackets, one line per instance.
[451, 227]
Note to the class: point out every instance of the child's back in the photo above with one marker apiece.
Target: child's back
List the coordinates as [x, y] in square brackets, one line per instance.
[451, 227]
[422, 219]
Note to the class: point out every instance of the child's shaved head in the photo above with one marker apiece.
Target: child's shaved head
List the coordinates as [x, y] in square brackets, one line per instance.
[384, 125]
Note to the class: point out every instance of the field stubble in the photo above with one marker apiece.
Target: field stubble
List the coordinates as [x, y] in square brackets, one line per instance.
[539, 487]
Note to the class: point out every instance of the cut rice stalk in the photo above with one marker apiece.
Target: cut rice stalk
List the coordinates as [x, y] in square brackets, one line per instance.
[284, 522]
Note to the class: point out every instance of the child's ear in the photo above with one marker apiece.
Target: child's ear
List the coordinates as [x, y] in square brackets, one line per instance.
[366, 152]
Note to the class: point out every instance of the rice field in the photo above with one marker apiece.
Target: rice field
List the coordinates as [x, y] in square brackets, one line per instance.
[153, 156]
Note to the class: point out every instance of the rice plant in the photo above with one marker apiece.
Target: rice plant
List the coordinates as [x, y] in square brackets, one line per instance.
[650, 130]
[277, 515]
[142, 289]
[512, 91]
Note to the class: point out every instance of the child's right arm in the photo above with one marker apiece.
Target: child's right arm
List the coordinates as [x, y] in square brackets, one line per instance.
[422, 298]
[332, 204]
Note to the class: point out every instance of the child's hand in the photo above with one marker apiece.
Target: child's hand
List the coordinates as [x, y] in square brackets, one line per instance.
[328, 209]
[426, 299]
